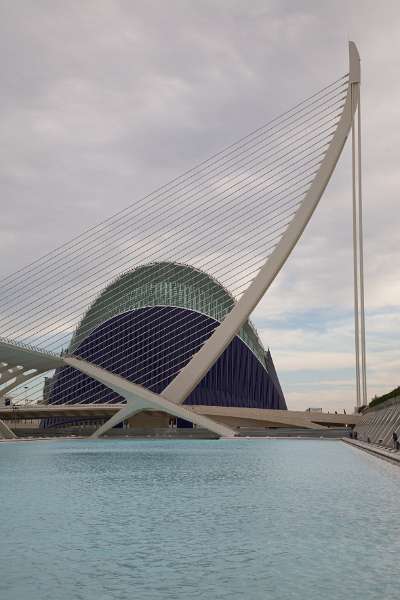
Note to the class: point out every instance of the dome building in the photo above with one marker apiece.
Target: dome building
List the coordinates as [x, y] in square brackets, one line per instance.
[146, 325]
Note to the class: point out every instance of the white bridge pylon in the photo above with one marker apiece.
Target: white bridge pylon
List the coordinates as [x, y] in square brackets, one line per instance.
[185, 381]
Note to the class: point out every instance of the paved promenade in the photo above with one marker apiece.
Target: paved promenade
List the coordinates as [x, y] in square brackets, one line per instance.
[379, 451]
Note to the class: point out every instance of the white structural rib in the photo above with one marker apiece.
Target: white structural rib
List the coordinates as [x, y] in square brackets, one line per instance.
[139, 398]
[189, 377]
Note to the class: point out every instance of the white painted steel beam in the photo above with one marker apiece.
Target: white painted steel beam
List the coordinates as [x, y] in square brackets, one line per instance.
[139, 398]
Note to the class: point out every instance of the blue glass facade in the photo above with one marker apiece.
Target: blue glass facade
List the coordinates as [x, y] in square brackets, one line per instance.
[238, 378]
[145, 319]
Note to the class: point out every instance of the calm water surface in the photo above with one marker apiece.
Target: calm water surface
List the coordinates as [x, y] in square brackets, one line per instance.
[206, 520]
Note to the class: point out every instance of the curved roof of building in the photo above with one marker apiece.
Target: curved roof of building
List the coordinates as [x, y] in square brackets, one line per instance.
[237, 378]
[164, 284]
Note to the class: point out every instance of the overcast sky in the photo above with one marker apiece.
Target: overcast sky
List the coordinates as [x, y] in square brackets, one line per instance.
[103, 100]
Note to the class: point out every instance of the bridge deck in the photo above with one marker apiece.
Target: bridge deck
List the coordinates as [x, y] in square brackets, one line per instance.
[285, 417]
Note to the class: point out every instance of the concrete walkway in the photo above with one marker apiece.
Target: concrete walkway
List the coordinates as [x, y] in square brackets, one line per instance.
[386, 453]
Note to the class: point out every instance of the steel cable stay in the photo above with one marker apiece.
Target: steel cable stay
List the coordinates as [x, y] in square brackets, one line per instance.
[266, 188]
[257, 185]
[121, 214]
[191, 282]
[83, 388]
[301, 140]
[230, 302]
[217, 273]
[207, 265]
[102, 352]
[250, 261]
[191, 240]
[176, 257]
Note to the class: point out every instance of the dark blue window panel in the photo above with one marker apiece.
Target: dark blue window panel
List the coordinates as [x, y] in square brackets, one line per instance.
[155, 338]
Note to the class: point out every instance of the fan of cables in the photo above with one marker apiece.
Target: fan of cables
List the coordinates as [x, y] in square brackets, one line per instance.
[224, 217]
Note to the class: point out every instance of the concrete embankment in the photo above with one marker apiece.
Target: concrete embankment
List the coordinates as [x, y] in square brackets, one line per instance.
[392, 456]
[378, 423]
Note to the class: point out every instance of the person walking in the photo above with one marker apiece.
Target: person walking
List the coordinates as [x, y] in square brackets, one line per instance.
[395, 440]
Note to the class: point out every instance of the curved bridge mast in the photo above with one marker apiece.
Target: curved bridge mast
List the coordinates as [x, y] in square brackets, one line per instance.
[189, 377]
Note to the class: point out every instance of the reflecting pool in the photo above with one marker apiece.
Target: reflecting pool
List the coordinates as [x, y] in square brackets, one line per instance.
[203, 520]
